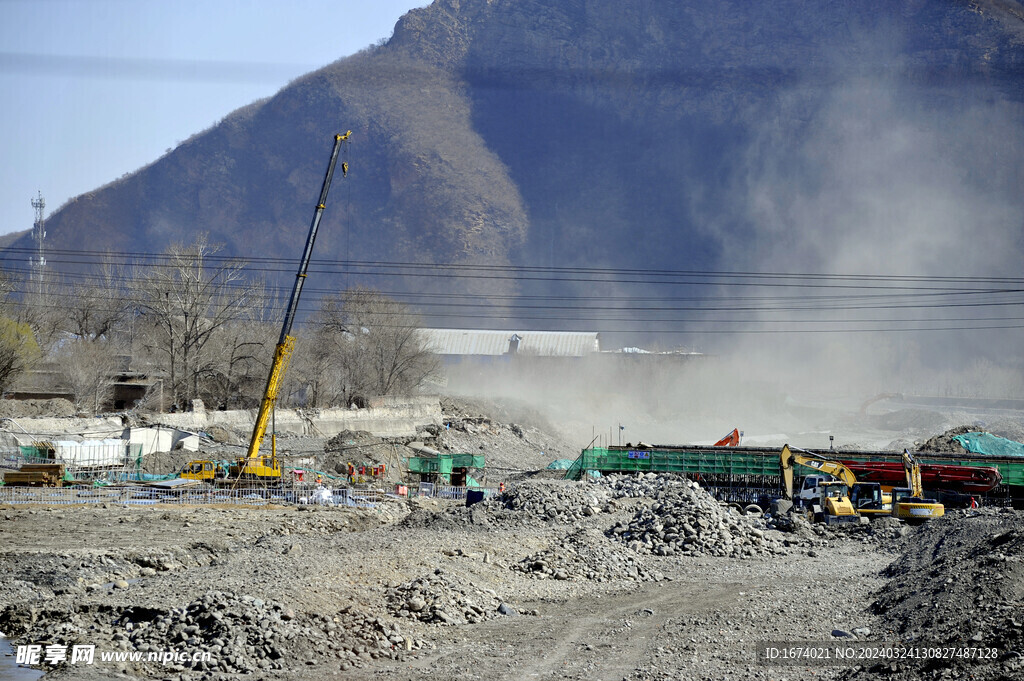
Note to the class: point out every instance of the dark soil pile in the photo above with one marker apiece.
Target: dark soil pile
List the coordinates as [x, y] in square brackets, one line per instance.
[945, 443]
[958, 585]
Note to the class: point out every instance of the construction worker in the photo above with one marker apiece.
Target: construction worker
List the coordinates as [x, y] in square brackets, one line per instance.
[501, 488]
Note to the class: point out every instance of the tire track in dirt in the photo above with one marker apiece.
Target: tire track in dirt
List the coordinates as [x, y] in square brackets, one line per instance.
[593, 639]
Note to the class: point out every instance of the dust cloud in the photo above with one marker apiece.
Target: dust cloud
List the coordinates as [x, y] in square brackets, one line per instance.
[913, 197]
[901, 202]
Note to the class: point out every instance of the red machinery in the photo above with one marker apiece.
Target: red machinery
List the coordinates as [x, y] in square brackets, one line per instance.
[966, 479]
[730, 440]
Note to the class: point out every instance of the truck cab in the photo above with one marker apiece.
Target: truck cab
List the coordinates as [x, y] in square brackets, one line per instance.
[201, 470]
[810, 491]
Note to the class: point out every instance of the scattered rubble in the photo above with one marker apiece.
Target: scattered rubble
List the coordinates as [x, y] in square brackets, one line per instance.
[587, 555]
[243, 634]
[417, 586]
[442, 598]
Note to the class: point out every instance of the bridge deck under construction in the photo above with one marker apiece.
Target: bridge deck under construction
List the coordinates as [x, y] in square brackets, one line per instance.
[745, 472]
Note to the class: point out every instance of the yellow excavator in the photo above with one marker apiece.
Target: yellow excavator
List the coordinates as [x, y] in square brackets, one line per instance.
[840, 500]
[908, 503]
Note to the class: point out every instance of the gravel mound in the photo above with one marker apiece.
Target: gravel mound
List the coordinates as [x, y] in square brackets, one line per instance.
[243, 634]
[686, 520]
[557, 501]
[442, 598]
[587, 555]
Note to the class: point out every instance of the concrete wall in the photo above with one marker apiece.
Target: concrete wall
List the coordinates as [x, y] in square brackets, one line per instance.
[384, 417]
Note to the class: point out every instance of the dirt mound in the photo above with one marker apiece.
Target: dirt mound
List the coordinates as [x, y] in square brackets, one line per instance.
[945, 443]
[360, 448]
[514, 439]
[959, 583]
[56, 407]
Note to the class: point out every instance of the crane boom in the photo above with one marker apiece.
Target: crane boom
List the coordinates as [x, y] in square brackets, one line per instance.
[283, 351]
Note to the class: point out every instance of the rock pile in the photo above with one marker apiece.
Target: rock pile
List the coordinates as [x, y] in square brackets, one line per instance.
[685, 520]
[587, 555]
[441, 598]
[556, 501]
[243, 634]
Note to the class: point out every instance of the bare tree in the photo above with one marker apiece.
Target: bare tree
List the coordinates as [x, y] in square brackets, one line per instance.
[315, 373]
[18, 350]
[379, 348]
[90, 369]
[95, 309]
[42, 308]
[240, 354]
[185, 300]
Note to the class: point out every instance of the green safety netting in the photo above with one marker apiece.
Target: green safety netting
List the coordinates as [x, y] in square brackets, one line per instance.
[561, 464]
[988, 444]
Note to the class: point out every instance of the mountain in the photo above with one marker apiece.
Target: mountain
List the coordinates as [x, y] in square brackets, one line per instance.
[796, 135]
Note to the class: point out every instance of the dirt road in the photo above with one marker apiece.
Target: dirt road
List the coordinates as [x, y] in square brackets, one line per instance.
[312, 594]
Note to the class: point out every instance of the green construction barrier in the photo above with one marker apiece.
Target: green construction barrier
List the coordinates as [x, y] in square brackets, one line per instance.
[438, 465]
[740, 463]
[704, 462]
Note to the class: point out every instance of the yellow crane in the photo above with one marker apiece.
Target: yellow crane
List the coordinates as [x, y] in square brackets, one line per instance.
[266, 466]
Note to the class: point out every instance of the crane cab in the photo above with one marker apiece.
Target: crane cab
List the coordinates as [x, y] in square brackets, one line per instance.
[262, 467]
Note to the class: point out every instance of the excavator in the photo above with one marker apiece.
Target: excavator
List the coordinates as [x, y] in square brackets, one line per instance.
[730, 440]
[908, 503]
[837, 500]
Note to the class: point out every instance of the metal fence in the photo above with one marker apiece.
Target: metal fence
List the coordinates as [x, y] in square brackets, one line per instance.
[429, 489]
[148, 496]
[137, 495]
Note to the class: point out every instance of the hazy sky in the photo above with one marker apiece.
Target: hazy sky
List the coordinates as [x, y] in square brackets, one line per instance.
[94, 89]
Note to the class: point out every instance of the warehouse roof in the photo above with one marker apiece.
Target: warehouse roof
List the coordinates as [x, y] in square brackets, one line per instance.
[533, 343]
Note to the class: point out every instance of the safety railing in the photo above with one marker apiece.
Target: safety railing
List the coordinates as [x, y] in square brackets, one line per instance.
[427, 489]
[148, 496]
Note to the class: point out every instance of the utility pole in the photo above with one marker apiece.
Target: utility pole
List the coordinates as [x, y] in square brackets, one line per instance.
[39, 233]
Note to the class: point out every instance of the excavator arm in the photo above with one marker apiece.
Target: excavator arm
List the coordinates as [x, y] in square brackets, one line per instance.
[913, 471]
[819, 463]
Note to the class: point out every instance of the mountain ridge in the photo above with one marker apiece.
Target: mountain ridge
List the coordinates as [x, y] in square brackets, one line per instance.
[586, 133]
